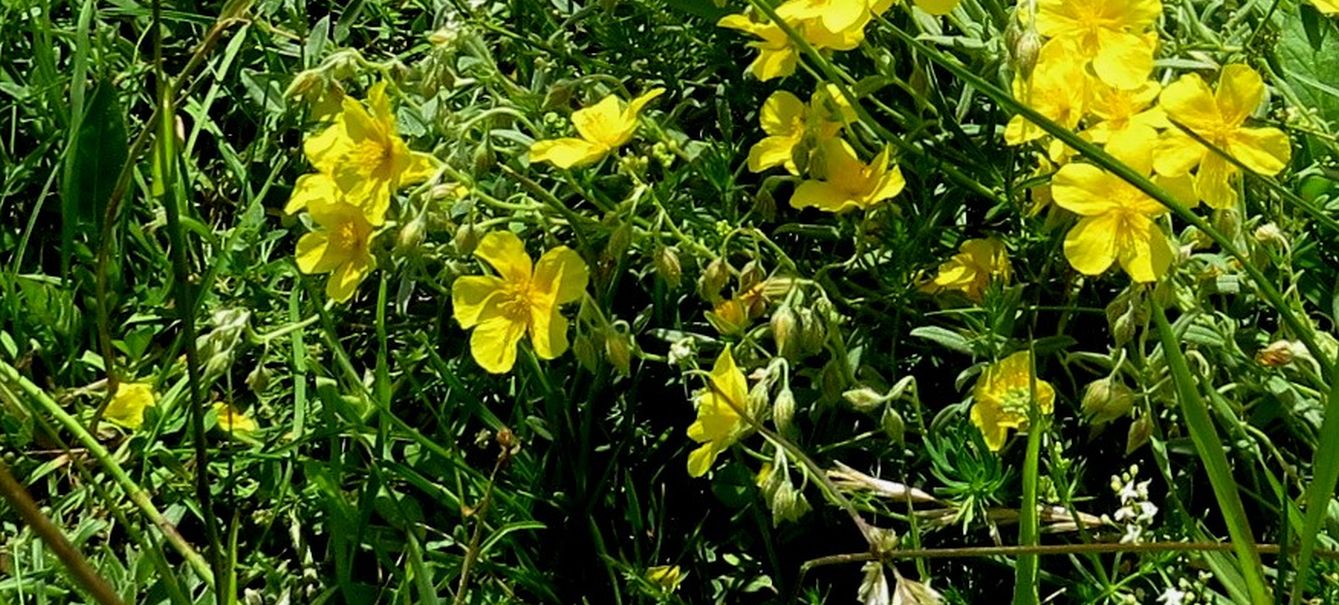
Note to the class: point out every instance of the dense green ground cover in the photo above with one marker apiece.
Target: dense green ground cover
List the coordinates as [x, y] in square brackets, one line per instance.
[252, 347]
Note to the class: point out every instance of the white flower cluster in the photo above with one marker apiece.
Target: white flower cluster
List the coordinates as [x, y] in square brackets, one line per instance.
[1136, 512]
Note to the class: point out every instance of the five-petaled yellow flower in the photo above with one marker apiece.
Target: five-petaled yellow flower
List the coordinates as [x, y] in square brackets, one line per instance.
[847, 183]
[719, 406]
[1003, 397]
[603, 128]
[778, 54]
[1117, 221]
[520, 299]
[1112, 34]
[1124, 113]
[1057, 89]
[127, 406]
[839, 20]
[667, 577]
[1218, 118]
[365, 156]
[971, 271]
[1329, 7]
[789, 123]
[340, 247]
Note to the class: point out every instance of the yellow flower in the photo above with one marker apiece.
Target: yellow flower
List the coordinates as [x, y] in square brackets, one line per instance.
[1218, 118]
[1122, 112]
[366, 157]
[788, 122]
[777, 53]
[603, 128]
[974, 267]
[1058, 90]
[1329, 7]
[233, 421]
[1109, 33]
[127, 406]
[502, 308]
[1003, 396]
[1116, 219]
[667, 577]
[718, 423]
[846, 182]
[340, 247]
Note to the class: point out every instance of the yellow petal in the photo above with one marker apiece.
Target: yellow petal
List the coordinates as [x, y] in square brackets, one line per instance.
[561, 275]
[774, 151]
[777, 63]
[822, 195]
[1134, 147]
[325, 149]
[840, 165]
[635, 106]
[1215, 184]
[311, 188]
[1264, 150]
[471, 295]
[783, 115]
[1123, 60]
[343, 282]
[126, 409]
[419, 167]
[1177, 153]
[986, 419]
[603, 123]
[1240, 92]
[889, 184]
[493, 344]
[1189, 101]
[1090, 245]
[1020, 131]
[505, 252]
[233, 421]
[700, 460]
[548, 332]
[1329, 7]
[1181, 188]
[1145, 253]
[728, 381]
[1084, 189]
[316, 255]
[567, 152]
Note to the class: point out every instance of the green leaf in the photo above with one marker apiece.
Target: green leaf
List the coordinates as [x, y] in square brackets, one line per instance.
[1309, 61]
[96, 154]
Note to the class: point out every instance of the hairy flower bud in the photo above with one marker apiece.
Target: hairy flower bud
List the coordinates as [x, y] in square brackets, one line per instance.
[713, 280]
[783, 409]
[466, 239]
[618, 349]
[894, 426]
[785, 330]
[668, 268]
[1106, 399]
[863, 399]
[1140, 431]
[1277, 354]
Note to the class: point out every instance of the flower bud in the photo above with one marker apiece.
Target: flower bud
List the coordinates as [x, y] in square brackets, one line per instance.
[784, 331]
[258, 379]
[713, 280]
[783, 409]
[813, 332]
[466, 239]
[758, 398]
[668, 267]
[1140, 431]
[1106, 399]
[788, 504]
[1277, 354]
[1269, 234]
[831, 383]
[618, 350]
[894, 426]
[750, 276]
[619, 241]
[412, 234]
[863, 399]
[484, 158]
[583, 348]
[306, 84]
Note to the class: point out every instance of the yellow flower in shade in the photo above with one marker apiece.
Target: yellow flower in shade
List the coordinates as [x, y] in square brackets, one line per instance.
[1329, 7]
[233, 421]
[1218, 118]
[718, 423]
[520, 299]
[1057, 89]
[1112, 34]
[1123, 112]
[1003, 396]
[667, 577]
[603, 128]
[847, 183]
[365, 156]
[977, 263]
[937, 7]
[127, 406]
[778, 54]
[788, 122]
[1116, 220]
[340, 247]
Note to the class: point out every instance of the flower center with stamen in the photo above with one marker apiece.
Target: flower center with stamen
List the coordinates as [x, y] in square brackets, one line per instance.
[1016, 402]
[514, 301]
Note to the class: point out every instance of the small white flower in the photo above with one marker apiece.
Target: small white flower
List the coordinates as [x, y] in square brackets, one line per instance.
[1172, 596]
[1147, 510]
[1134, 534]
[680, 351]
